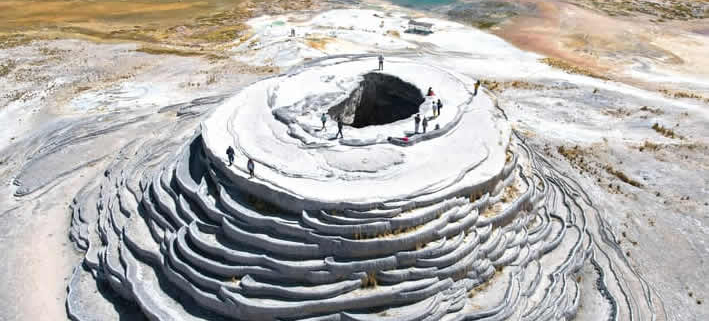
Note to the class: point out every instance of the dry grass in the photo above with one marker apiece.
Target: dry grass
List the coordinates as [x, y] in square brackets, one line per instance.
[319, 43]
[222, 34]
[656, 111]
[475, 196]
[154, 50]
[667, 132]
[498, 86]
[662, 9]
[480, 288]
[261, 205]
[393, 33]
[572, 154]
[576, 157]
[649, 146]
[7, 67]
[491, 211]
[571, 68]
[370, 281]
[620, 175]
[13, 40]
[620, 112]
[684, 94]
[390, 233]
[186, 23]
[510, 193]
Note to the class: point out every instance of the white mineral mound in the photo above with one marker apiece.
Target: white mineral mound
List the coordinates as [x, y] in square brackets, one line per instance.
[293, 155]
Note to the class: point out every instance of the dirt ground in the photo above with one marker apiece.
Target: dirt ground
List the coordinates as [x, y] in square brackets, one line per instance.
[629, 39]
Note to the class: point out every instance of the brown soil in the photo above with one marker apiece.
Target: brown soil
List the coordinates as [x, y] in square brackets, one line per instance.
[569, 33]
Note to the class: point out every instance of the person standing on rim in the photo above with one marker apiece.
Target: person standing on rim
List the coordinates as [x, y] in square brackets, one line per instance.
[477, 84]
[230, 154]
[250, 166]
[434, 108]
[439, 105]
[417, 120]
[339, 127]
[323, 118]
[381, 62]
[424, 124]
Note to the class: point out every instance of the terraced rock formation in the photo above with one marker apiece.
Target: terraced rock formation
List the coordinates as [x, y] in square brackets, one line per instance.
[464, 222]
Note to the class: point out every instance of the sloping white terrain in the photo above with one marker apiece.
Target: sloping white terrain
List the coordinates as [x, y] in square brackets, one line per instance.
[478, 220]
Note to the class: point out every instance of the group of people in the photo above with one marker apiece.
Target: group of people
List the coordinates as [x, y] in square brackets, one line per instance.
[323, 118]
[436, 106]
[249, 163]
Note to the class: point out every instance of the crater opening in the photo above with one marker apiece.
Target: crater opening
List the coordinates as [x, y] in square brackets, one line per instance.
[379, 99]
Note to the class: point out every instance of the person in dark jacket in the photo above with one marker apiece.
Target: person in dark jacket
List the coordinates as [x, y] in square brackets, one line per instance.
[339, 128]
[230, 154]
[477, 84]
[250, 166]
[439, 105]
[323, 119]
[381, 62]
[417, 120]
[424, 124]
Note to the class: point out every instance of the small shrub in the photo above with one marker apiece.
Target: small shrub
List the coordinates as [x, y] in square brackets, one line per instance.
[370, 281]
[667, 132]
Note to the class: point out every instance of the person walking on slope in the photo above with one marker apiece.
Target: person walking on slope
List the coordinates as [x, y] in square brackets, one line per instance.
[230, 154]
[477, 84]
[250, 166]
[430, 92]
[417, 120]
[424, 124]
[339, 128]
[434, 108]
[439, 105]
[323, 119]
[381, 62]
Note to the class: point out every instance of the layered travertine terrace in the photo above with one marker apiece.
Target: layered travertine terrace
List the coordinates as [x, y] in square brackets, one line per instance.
[463, 222]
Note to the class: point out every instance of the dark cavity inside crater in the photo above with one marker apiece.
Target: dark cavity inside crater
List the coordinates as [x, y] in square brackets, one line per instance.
[379, 99]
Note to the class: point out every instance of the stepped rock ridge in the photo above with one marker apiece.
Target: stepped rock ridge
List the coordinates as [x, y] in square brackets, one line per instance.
[464, 222]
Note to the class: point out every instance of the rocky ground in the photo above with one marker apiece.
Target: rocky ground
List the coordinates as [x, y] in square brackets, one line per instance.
[641, 153]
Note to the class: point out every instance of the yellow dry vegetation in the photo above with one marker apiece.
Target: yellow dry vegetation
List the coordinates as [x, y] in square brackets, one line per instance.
[393, 33]
[571, 68]
[510, 194]
[667, 132]
[369, 281]
[319, 43]
[180, 23]
[30, 13]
